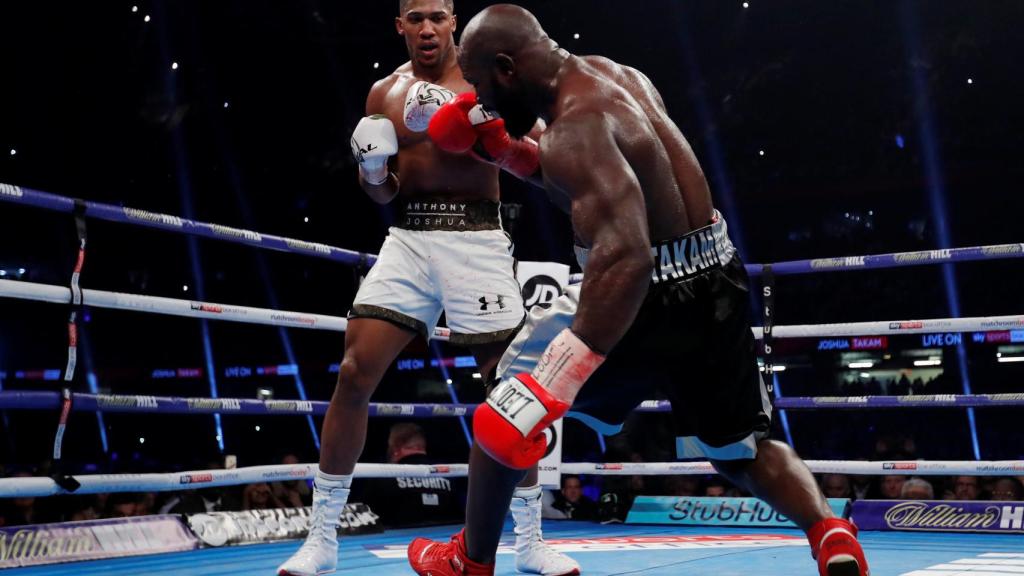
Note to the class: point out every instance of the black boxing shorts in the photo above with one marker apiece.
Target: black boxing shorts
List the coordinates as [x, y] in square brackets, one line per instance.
[691, 342]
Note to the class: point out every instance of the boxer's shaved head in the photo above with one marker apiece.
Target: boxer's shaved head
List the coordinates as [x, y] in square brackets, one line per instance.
[499, 29]
[504, 53]
[403, 5]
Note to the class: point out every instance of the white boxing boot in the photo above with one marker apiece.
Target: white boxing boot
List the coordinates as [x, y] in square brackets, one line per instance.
[319, 553]
[533, 555]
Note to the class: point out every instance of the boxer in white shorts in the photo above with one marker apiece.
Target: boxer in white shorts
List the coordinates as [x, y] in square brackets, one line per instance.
[446, 253]
[451, 257]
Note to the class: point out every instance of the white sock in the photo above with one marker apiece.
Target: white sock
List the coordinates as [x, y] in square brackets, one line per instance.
[331, 481]
[528, 493]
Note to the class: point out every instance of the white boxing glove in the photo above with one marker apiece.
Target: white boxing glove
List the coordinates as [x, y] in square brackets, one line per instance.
[422, 101]
[373, 142]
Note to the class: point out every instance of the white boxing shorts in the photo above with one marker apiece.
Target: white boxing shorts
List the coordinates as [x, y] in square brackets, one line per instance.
[450, 257]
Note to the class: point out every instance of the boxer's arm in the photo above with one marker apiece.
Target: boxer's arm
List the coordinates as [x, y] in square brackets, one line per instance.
[581, 157]
[386, 191]
[537, 178]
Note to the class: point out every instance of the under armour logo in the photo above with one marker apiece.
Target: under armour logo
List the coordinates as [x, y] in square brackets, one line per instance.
[484, 302]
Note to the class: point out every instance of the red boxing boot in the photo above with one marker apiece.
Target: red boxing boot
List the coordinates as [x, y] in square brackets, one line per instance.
[429, 558]
[834, 544]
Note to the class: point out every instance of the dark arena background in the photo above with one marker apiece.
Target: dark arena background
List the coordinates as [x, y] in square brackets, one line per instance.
[827, 131]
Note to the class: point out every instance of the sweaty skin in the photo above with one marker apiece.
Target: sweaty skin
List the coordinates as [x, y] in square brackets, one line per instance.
[610, 148]
[424, 169]
[419, 169]
[631, 180]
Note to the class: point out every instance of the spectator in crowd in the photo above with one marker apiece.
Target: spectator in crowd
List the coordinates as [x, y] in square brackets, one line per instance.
[201, 501]
[20, 511]
[874, 387]
[121, 506]
[891, 486]
[966, 487]
[292, 493]
[715, 488]
[860, 486]
[145, 504]
[948, 492]
[100, 502]
[411, 501]
[259, 497]
[1008, 489]
[681, 486]
[549, 512]
[82, 508]
[836, 486]
[571, 501]
[917, 489]
[902, 387]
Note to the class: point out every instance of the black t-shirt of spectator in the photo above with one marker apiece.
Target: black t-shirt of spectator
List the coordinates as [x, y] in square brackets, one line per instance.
[582, 509]
[413, 501]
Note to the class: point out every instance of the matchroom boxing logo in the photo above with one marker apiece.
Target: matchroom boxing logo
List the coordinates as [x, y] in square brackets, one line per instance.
[540, 290]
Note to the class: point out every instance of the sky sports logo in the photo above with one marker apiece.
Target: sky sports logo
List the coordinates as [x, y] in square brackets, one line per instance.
[906, 325]
[899, 465]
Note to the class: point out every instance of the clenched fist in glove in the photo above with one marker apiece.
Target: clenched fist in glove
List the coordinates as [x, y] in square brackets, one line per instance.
[510, 425]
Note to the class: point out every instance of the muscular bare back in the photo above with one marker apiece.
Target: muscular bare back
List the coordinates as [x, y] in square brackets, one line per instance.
[422, 168]
[675, 191]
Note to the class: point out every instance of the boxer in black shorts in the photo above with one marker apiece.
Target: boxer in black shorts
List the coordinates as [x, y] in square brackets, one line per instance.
[663, 303]
[690, 341]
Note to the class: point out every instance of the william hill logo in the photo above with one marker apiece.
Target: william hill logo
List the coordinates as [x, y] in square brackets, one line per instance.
[948, 518]
[29, 546]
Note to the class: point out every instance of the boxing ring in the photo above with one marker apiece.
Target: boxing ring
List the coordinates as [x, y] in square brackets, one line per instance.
[604, 550]
[600, 549]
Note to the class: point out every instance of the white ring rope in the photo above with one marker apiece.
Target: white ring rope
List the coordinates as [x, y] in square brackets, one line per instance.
[855, 467]
[173, 481]
[177, 307]
[190, 480]
[267, 316]
[897, 327]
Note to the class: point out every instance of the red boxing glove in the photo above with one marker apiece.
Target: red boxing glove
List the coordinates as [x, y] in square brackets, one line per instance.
[520, 158]
[510, 425]
[461, 123]
[450, 127]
